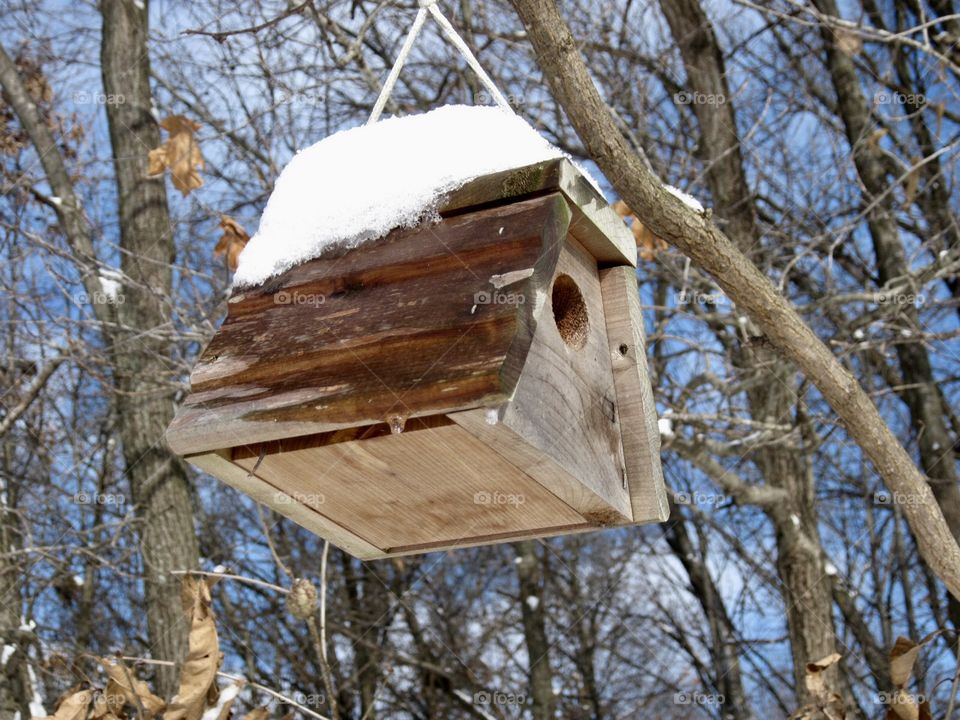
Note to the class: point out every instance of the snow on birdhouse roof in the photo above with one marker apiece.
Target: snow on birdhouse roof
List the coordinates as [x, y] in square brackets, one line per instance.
[359, 184]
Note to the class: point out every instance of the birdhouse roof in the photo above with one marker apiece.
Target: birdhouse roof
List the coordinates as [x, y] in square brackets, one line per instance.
[359, 184]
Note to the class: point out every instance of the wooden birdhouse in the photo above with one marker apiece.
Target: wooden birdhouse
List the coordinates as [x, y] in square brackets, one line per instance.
[472, 381]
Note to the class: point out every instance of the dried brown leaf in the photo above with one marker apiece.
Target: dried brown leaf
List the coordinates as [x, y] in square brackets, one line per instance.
[827, 705]
[648, 244]
[259, 713]
[232, 242]
[124, 688]
[180, 153]
[227, 697]
[198, 689]
[815, 681]
[902, 658]
[73, 705]
[905, 706]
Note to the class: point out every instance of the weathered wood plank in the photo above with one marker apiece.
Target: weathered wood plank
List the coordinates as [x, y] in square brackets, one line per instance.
[436, 486]
[638, 414]
[219, 465]
[560, 426]
[564, 405]
[595, 225]
[391, 328]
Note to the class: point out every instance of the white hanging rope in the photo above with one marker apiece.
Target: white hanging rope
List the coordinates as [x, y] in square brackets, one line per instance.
[397, 66]
[469, 57]
[457, 41]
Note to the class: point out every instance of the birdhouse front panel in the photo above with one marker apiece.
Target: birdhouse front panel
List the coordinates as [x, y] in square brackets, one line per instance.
[471, 381]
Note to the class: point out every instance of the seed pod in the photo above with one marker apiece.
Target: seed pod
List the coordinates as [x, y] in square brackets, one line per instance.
[302, 599]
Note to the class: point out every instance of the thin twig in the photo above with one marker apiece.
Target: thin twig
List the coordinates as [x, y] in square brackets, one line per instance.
[222, 35]
[228, 576]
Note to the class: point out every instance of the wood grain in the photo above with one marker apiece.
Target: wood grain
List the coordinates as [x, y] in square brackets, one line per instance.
[221, 466]
[638, 414]
[391, 328]
[595, 225]
[565, 402]
[434, 487]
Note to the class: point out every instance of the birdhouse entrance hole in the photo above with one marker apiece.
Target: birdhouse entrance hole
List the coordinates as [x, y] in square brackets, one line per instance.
[570, 312]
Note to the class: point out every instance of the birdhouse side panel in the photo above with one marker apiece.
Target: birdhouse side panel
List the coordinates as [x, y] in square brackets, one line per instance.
[565, 405]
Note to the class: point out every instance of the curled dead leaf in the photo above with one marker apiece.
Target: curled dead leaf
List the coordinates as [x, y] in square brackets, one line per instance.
[180, 153]
[72, 706]
[826, 705]
[222, 710]
[232, 242]
[198, 689]
[124, 688]
[904, 706]
[815, 682]
[903, 656]
[648, 244]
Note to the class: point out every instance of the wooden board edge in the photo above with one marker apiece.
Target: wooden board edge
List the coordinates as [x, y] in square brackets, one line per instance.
[595, 224]
[500, 539]
[503, 187]
[598, 228]
[219, 465]
[637, 411]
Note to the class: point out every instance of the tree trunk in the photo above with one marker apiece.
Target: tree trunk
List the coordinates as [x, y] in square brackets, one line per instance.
[158, 480]
[15, 686]
[724, 648]
[530, 577]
